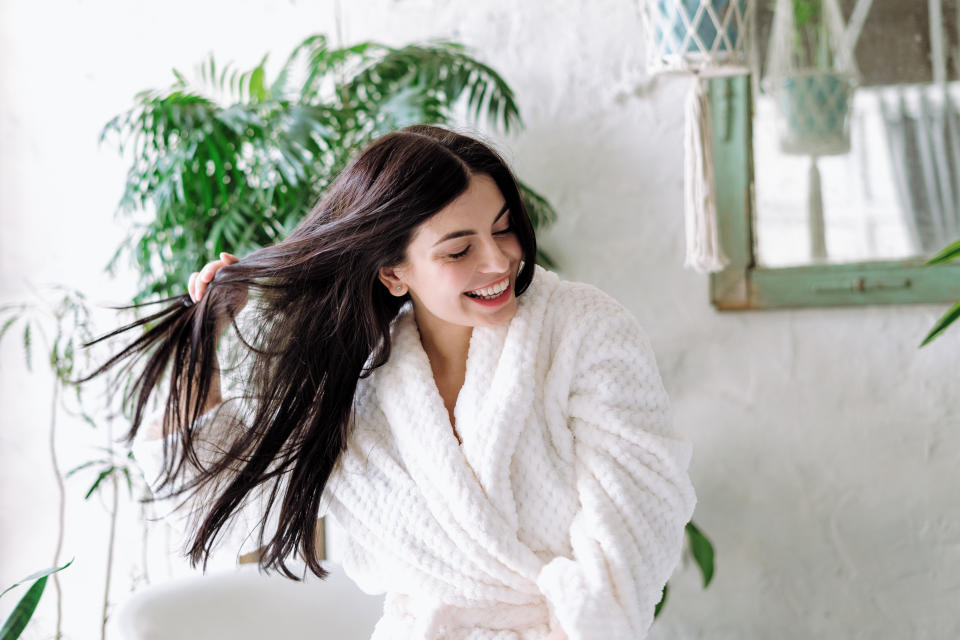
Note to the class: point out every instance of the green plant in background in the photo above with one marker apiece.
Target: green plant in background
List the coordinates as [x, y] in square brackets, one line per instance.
[21, 614]
[811, 39]
[62, 325]
[945, 255]
[234, 163]
[701, 549]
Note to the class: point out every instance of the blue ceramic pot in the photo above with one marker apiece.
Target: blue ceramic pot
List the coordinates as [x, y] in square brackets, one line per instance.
[670, 29]
[815, 113]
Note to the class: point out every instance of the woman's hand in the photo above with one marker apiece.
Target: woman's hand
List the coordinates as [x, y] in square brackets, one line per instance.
[197, 285]
[200, 279]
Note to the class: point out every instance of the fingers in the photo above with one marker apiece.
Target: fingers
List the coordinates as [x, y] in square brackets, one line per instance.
[197, 284]
[191, 286]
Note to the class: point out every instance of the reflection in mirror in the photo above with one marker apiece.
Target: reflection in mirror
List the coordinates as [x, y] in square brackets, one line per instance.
[856, 130]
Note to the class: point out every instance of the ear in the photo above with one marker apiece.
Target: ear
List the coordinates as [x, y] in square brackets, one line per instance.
[392, 277]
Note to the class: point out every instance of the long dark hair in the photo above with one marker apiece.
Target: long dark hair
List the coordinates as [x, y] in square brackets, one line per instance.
[323, 322]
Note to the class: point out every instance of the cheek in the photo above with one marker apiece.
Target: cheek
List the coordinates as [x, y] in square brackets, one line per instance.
[514, 248]
[455, 278]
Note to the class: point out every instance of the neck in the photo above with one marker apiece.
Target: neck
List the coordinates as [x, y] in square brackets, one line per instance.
[446, 344]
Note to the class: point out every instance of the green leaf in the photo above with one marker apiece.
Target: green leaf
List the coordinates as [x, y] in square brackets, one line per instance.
[6, 326]
[702, 551]
[257, 90]
[946, 254]
[281, 146]
[126, 474]
[34, 576]
[96, 483]
[22, 613]
[83, 466]
[941, 325]
[26, 347]
[663, 600]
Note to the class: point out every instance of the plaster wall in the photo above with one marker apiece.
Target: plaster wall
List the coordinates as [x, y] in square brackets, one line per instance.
[826, 444]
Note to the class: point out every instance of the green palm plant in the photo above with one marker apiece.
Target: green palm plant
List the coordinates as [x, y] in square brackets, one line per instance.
[945, 255]
[233, 161]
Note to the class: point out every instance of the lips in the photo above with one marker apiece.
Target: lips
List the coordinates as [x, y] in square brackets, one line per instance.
[487, 286]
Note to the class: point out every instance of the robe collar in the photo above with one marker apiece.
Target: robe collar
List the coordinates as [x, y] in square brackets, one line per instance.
[467, 487]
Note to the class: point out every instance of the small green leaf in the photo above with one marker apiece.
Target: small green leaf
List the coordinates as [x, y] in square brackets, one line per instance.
[26, 347]
[945, 321]
[663, 600]
[35, 576]
[6, 326]
[702, 551]
[257, 90]
[947, 254]
[83, 466]
[96, 483]
[126, 474]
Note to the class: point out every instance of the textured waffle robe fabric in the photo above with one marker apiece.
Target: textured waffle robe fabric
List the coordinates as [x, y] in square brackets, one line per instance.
[564, 506]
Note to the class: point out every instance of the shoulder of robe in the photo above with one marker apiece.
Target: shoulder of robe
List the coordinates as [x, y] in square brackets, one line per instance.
[579, 311]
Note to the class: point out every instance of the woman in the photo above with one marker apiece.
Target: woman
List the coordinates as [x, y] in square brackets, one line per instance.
[495, 442]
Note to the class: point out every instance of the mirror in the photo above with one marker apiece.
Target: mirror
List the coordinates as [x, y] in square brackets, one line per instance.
[835, 186]
[858, 168]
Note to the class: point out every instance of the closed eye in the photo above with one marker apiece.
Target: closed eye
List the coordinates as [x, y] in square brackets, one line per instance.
[456, 256]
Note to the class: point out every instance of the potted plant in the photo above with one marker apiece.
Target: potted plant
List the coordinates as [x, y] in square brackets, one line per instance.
[233, 160]
[812, 74]
[687, 34]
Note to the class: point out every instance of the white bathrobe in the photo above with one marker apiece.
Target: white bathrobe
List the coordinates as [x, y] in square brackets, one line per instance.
[565, 504]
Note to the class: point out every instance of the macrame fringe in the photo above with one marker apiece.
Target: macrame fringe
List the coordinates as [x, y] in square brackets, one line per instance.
[700, 207]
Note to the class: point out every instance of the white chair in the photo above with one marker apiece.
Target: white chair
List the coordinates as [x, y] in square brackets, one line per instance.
[242, 604]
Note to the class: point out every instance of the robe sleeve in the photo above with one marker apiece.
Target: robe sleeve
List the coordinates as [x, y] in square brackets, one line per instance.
[635, 496]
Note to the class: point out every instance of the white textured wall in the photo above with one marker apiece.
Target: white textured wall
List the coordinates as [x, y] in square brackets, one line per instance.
[826, 445]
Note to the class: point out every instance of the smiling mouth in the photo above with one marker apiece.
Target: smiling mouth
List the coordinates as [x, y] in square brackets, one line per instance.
[504, 281]
[496, 295]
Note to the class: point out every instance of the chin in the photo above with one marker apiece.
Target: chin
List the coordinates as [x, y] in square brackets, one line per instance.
[504, 316]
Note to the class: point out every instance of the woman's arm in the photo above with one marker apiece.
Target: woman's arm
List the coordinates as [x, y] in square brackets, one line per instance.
[632, 482]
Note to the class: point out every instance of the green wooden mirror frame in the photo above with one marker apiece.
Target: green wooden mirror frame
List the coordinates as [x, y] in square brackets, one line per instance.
[744, 285]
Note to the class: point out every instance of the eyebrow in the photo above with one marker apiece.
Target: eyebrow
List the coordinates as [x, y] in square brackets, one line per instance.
[469, 232]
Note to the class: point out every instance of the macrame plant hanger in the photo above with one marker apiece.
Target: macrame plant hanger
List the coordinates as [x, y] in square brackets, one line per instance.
[705, 38]
[812, 82]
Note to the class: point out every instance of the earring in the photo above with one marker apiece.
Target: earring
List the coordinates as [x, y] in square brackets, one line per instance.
[399, 288]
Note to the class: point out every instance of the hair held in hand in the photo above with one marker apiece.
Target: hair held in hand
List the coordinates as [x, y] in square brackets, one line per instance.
[322, 322]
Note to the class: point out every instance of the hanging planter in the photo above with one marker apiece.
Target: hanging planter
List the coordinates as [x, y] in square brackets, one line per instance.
[812, 74]
[814, 112]
[706, 38]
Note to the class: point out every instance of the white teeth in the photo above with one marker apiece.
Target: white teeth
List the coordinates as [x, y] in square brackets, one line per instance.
[493, 291]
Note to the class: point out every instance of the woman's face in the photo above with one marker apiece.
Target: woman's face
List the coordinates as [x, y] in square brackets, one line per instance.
[465, 247]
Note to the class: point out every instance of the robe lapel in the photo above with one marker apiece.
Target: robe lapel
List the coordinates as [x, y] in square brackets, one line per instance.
[497, 394]
[467, 489]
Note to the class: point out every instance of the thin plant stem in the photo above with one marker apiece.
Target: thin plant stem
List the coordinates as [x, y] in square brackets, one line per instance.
[112, 538]
[61, 515]
[144, 543]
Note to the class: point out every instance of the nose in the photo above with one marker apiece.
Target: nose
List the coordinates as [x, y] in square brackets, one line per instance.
[494, 258]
